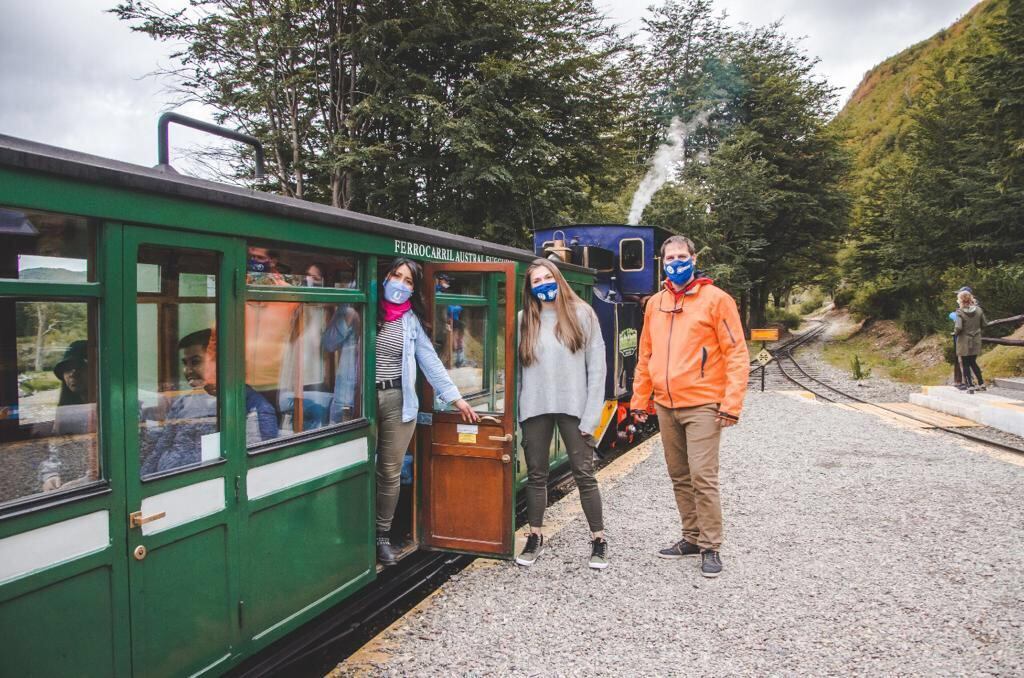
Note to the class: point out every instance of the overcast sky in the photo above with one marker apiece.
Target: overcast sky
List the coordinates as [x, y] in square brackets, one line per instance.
[73, 76]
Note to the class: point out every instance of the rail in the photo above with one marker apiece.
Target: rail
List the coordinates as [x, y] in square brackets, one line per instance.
[788, 354]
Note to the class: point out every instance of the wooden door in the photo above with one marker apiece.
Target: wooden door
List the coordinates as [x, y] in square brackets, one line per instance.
[467, 480]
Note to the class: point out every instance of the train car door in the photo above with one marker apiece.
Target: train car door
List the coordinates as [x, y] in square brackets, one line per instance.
[467, 469]
[180, 392]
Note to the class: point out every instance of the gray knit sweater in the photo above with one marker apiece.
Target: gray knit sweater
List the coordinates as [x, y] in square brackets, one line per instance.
[562, 382]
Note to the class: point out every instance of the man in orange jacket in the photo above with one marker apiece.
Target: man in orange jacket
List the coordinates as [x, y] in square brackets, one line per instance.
[694, 364]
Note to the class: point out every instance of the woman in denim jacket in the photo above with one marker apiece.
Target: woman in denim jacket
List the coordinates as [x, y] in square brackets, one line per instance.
[403, 343]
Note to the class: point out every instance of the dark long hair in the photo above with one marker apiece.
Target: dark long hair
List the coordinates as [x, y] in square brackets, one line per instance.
[419, 307]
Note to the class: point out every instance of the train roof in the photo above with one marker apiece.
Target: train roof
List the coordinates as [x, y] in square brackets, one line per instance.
[32, 156]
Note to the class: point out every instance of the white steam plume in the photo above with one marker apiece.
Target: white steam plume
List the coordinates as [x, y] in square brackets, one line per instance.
[665, 158]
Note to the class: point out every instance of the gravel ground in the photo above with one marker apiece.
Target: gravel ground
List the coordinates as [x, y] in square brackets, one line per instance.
[852, 547]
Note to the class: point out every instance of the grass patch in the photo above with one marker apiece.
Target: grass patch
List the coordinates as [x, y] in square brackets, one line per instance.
[840, 354]
[1002, 361]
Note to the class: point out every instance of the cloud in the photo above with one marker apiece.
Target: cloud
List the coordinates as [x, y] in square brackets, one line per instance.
[74, 76]
[849, 36]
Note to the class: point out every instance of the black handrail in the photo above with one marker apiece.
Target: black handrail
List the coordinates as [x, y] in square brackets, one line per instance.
[163, 151]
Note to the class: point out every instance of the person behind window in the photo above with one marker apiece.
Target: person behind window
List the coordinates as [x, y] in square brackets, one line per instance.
[342, 336]
[72, 455]
[193, 414]
[403, 342]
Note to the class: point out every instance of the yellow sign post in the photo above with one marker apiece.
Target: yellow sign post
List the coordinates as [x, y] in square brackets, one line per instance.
[764, 335]
[769, 334]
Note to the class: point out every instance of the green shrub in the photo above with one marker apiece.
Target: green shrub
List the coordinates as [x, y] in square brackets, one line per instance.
[878, 299]
[786, 318]
[924, 319]
[812, 301]
[859, 372]
[843, 297]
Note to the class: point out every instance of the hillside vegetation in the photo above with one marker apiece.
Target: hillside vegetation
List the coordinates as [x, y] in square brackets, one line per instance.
[936, 134]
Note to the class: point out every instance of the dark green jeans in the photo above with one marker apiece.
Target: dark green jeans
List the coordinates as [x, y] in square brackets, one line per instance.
[537, 433]
[393, 438]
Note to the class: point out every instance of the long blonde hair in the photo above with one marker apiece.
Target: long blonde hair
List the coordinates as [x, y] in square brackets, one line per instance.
[568, 329]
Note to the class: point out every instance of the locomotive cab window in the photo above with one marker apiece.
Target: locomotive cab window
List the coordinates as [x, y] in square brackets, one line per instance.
[631, 254]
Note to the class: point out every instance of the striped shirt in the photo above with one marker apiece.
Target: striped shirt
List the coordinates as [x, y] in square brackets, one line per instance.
[389, 350]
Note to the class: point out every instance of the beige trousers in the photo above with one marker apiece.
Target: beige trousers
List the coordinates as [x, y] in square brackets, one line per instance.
[690, 436]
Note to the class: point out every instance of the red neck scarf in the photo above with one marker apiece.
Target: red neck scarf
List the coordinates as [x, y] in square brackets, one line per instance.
[697, 280]
[393, 311]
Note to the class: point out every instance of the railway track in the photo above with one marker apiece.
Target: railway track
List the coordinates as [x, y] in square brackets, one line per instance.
[786, 367]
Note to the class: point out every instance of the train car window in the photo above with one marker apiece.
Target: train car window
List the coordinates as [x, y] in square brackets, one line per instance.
[631, 254]
[176, 309]
[48, 396]
[459, 337]
[270, 265]
[303, 365]
[459, 283]
[41, 246]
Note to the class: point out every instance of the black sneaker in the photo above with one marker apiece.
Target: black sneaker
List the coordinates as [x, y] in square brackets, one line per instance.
[534, 545]
[385, 554]
[680, 549]
[599, 554]
[710, 564]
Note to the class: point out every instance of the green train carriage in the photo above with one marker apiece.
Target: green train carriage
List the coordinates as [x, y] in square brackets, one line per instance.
[113, 565]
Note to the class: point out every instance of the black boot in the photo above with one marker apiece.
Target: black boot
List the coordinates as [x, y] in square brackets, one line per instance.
[385, 555]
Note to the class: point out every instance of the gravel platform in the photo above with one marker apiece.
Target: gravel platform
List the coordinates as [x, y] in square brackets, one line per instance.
[851, 547]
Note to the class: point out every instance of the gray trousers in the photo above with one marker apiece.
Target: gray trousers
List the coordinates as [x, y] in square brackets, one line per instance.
[393, 438]
[537, 433]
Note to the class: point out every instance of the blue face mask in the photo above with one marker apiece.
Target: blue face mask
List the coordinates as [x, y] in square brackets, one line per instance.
[679, 272]
[396, 292]
[546, 291]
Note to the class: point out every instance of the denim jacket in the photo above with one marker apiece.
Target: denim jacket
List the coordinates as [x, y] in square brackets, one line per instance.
[417, 347]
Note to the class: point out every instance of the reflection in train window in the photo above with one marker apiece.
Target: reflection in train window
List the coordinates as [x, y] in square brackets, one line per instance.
[269, 265]
[448, 282]
[48, 395]
[459, 337]
[41, 246]
[631, 254]
[305, 360]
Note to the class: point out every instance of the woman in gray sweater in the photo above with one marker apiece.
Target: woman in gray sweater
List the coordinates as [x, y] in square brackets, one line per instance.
[562, 384]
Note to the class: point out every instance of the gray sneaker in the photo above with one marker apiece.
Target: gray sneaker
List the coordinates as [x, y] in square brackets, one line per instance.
[534, 545]
[710, 564]
[599, 554]
[680, 549]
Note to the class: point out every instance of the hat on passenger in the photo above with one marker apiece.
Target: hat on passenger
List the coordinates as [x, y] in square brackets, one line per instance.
[75, 355]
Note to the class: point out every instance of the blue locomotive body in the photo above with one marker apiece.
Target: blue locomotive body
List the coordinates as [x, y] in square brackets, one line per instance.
[627, 263]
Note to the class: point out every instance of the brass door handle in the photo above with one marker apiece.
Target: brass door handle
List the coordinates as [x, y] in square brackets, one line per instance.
[488, 419]
[136, 519]
[507, 438]
[506, 458]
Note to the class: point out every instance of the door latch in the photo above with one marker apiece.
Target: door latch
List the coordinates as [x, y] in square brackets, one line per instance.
[507, 438]
[136, 519]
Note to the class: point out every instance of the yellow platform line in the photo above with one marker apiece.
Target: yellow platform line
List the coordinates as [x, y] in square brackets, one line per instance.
[375, 654]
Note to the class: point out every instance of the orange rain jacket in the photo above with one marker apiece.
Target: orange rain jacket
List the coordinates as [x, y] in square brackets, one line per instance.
[692, 350]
